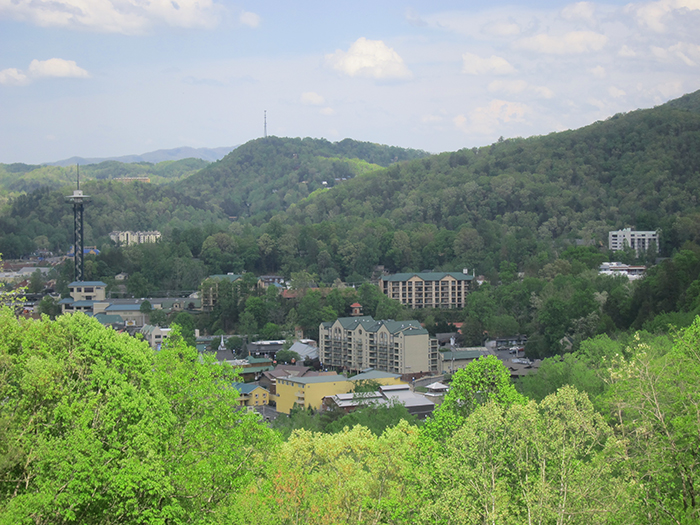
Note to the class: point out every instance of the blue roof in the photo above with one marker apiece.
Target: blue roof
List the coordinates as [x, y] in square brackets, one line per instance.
[124, 308]
[66, 300]
[87, 283]
[83, 303]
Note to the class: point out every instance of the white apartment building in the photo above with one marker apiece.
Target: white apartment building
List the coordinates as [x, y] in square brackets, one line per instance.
[127, 238]
[428, 289]
[640, 241]
[358, 343]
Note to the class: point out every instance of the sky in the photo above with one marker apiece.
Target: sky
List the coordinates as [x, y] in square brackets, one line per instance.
[99, 78]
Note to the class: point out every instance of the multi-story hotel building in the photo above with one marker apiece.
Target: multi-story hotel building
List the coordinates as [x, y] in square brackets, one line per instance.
[127, 238]
[357, 343]
[640, 241]
[428, 289]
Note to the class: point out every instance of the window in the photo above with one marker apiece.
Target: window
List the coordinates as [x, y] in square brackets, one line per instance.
[89, 289]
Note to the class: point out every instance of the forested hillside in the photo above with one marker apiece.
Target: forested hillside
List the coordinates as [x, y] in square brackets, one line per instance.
[269, 174]
[16, 178]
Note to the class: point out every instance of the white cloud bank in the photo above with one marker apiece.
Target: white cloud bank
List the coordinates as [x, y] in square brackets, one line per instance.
[569, 43]
[369, 58]
[54, 67]
[116, 16]
[494, 65]
[311, 98]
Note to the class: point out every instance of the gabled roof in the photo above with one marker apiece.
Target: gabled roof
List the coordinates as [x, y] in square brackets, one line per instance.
[428, 276]
[246, 388]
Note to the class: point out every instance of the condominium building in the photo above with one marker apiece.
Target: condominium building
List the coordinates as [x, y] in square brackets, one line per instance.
[640, 241]
[357, 343]
[127, 238]
[210, 289]
[428, 289]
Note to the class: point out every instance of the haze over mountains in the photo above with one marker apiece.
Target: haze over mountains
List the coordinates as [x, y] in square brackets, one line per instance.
[161, 155]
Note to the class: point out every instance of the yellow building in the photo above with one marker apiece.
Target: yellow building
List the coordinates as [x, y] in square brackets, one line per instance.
[252, 395]
[309, 391]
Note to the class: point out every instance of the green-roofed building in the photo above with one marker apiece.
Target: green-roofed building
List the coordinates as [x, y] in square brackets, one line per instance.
[358, 343]
[451, 361]
[428, 289]
[210, 289]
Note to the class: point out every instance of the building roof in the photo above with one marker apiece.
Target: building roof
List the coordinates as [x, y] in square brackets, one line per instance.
[87, 283]
[314, 379]
[428, 276]
[367, 322]
[225, 277]
[123, 308]
[109, 319]
[374, 374]
[246, 388]
[462, 354]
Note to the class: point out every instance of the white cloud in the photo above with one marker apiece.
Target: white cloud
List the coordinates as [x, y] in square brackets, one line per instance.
[501, 29]
[13, 76]
[572, 42]
[515, 87]
[369, 58]
[487, 119]
[626, 52]
[616, 92]
[656, 15]
[689, 54]
[249, 19]
[579, 11]
[511, 87]
[327, 111]
[475, 65]
[54, 67]
[311, 98]
[598, 72]
[113, 16]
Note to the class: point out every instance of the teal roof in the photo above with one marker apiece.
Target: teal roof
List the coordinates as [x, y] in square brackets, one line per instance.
[109, 319]
[428, 276]
[412, 327]
[374, 374]
[123, 308]
[253, 369]
[246, 388]
[253, 360]
[87, 283]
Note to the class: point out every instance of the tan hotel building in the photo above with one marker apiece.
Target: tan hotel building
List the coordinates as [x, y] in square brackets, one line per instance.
[428, 289]
[358, 343]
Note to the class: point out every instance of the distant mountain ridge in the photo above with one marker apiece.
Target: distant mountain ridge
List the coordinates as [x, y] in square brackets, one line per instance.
[161, 155]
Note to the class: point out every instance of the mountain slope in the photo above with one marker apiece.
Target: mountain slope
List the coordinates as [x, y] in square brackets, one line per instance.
[269, 174]
[154, 157]
[519, 198]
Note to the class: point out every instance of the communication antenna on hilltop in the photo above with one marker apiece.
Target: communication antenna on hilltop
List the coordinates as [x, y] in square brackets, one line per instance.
[78, 200]
[265, 117]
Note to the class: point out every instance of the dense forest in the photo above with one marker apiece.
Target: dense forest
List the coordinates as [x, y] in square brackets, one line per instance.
[95, 427]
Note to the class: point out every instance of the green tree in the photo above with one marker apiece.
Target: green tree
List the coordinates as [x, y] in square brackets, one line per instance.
[485, 379]
[97, 428]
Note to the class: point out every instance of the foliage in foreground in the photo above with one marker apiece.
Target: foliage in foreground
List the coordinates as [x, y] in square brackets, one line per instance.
[97, 428]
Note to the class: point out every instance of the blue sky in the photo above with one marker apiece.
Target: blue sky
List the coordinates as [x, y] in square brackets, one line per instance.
[97, 78]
